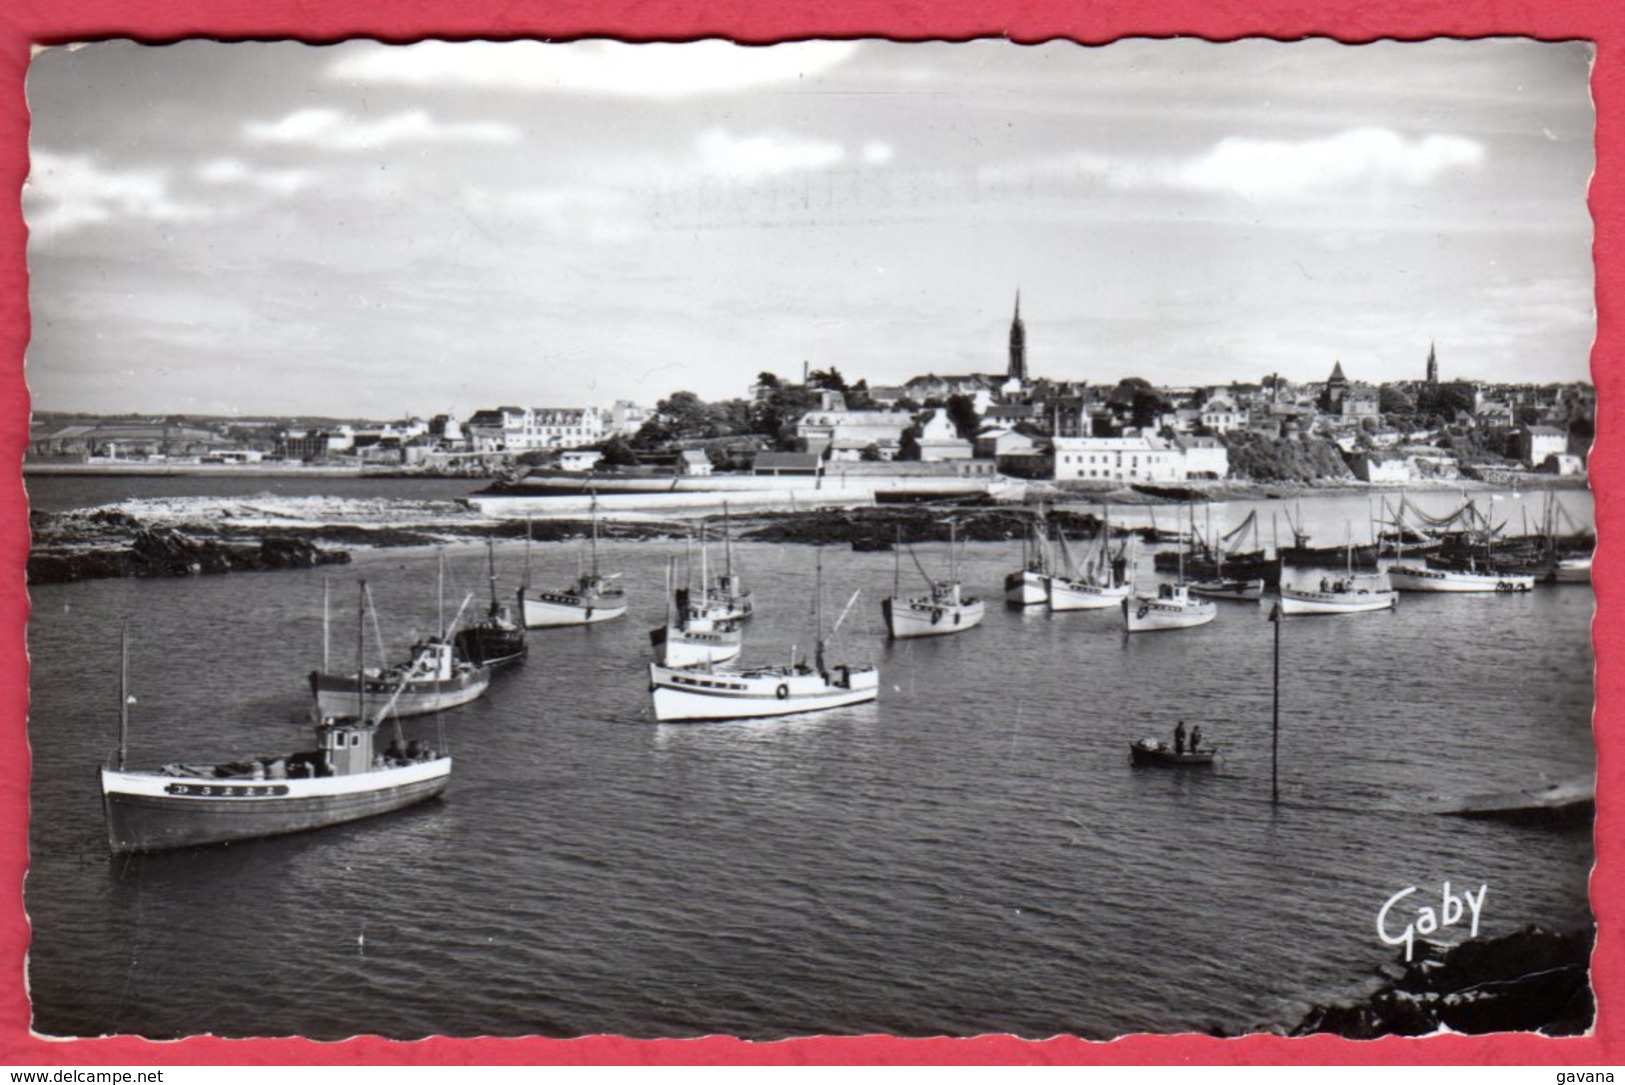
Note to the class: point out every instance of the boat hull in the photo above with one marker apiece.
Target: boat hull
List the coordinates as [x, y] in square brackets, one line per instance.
[1245, 591]
[336, 696]
[908, 618]
[697, 695]
[156, 812]
[491, 646]
[1147, 615]
[549, 610]
[1299, 601]
[692, 648]
[1025, 588]
[1067, 595]
[1150, 752]
[1417, 578]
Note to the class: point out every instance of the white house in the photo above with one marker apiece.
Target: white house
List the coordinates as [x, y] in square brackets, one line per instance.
[1118, 459]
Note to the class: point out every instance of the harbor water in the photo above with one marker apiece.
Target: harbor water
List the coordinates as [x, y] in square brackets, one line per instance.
[971, 854]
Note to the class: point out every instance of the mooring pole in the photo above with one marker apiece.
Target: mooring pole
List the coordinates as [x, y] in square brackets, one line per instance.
[1275, 724]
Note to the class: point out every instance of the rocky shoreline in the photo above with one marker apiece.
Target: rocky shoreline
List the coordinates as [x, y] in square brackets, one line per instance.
[1532, 980]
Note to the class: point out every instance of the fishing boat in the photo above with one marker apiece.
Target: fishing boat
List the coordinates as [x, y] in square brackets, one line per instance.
[1424, 578]
[945, 610]
[693, 634]
[1346, 596]
[1463, 574]
[1099, 584]
[1028, 585]
[1171, 608]
[728, 599]
[593, 597]
[343, 778]
[432, 679]
[1572, 570]
[498, 639]
[1349, 594]
[733, 692]
[1153, 751]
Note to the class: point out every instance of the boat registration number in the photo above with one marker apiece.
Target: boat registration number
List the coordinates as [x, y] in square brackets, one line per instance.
[228, 791]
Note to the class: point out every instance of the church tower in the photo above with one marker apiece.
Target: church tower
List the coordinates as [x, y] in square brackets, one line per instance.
[1433, 366]
[1018, 345]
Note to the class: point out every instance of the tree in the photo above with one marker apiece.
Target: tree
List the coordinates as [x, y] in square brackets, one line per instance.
[962, 413]
[1391, 400]
[908, 445]
[777, 415]
[870, 453]
[858, 398]
[830, 380]
[618, 453]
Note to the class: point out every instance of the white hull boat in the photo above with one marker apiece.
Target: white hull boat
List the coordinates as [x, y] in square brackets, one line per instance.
[693, 635]
[703, 693]
[1084, 595]
[1026, 587]
[1337, 599]
[1424, 579]
[935, 615]
[1171, 608]
[591, 600]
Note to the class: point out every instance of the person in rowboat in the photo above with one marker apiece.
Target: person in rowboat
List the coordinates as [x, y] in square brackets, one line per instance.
[1196, 737]
[1179, 738]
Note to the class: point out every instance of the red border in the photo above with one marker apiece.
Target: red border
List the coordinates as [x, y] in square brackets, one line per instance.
[25, 23]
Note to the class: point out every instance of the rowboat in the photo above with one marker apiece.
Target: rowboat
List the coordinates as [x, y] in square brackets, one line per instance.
[1151, 751]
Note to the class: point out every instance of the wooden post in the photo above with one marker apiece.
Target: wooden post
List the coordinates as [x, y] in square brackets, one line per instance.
[1275, 724]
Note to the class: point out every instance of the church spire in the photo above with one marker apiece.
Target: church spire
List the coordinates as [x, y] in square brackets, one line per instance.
[1433, 366]
[1018, 344]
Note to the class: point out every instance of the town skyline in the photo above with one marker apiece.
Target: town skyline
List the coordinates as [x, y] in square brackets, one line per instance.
[376, 231]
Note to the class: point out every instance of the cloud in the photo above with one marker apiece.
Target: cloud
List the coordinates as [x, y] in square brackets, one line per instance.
[329, 129]
[67, 192]
[1264, 169]
[617, 69]
[233, 171]
[751, 157]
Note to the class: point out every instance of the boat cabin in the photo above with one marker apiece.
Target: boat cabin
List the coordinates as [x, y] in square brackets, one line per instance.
[345, 748]
[432, 660]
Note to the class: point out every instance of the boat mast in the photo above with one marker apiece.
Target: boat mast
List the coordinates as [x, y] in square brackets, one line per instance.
[491, 569]
[897, 565]
[594, 516]
[361, 657]
[818, 613]
[527, 553]
[325, 638]
[440, 594]
[727, 547]
[123, 693]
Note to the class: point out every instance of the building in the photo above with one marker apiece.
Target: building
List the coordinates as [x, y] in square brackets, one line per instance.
[693, 463]
[939, 440]
[849, 432]
[1118, 459]
[1205, 457]
[1532, 444]
[785, 463]
[1433, 367]
[1376, 467]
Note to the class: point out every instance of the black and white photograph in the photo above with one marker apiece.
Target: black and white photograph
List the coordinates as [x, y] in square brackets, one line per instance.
[829, 538]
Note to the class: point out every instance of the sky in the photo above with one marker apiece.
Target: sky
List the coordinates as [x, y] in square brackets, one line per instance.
[365, 230]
